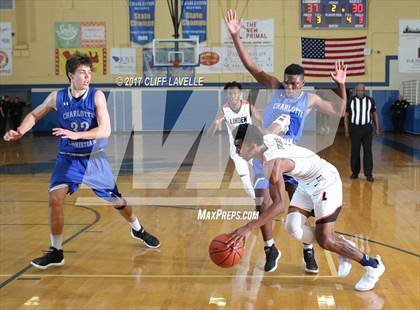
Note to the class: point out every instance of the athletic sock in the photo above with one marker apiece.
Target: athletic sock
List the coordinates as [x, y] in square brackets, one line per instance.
[269, 243]
[307, 246]
[56, 241]
[369, 261]
[135, 224]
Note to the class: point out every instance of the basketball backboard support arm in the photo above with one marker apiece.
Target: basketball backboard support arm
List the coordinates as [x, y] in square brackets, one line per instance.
[176, 16]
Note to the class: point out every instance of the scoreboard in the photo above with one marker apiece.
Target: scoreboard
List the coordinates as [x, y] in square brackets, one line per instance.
[333, 14]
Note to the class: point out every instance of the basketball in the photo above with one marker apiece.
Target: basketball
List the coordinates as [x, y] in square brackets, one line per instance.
[176, 126]
[224, 256]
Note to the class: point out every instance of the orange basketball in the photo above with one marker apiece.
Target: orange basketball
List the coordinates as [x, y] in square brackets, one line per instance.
[224, 256]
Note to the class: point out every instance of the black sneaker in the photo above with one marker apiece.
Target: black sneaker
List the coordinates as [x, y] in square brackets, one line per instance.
[53, 257]
[272, 255]
[310, 262]
[370, 178]
[149, 240]
[354, 176]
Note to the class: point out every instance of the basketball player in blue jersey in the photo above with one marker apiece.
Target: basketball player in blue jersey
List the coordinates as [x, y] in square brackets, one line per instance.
[291, 102]
[84, 129]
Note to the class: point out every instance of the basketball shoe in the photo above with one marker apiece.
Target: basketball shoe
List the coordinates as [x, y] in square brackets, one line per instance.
[310, 262]
[149, 240]
[272, 255]
[53, 257]
[371, 276]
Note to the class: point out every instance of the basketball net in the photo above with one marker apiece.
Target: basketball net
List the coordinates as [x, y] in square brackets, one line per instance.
[175, 62]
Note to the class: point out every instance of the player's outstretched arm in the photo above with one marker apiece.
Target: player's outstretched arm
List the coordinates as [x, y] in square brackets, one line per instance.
[104, 124]
[216, 123]
[334, 109]
[258, 120]
[277, 190]
[234, 27]
[34, 116]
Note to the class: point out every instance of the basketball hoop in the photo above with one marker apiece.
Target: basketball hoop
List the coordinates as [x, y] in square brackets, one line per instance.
[176, 62]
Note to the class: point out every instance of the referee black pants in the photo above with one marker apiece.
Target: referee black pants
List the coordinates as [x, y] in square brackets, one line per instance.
[361, 135]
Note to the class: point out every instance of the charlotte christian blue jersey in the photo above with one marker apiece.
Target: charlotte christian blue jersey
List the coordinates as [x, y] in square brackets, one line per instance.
[296, 109]
[81, 161]
[77, 115]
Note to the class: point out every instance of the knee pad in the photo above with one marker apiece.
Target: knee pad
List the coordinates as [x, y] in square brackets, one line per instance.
[294, 224]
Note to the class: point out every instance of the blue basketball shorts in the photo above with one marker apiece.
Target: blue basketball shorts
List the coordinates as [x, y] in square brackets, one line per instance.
[92, 170]
[260, 181]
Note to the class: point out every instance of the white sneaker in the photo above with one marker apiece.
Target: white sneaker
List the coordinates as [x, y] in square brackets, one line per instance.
[344, 263]
[371, 276]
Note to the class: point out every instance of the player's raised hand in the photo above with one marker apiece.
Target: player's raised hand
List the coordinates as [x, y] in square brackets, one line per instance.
[12, 135]
[232, 23]
[220, 116]
[64, 133]
[340, 73]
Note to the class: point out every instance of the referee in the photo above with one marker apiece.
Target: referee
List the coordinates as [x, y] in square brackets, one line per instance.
[360, 112]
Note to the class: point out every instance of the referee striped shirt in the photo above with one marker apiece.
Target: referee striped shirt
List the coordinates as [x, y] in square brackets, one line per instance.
[360, 110]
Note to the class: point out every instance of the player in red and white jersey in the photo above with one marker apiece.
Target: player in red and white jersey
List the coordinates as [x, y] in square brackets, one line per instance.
[235, 112]
[319, 194]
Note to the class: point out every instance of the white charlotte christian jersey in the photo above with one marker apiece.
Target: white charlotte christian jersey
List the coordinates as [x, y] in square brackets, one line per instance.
[309, 166]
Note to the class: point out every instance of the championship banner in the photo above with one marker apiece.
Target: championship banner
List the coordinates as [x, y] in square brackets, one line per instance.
[98, 56]
[142, 21]
[194, 20]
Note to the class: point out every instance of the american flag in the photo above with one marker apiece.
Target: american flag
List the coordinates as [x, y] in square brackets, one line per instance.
[319, 55]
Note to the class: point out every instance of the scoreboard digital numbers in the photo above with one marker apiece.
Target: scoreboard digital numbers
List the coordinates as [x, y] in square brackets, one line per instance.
[333, 14]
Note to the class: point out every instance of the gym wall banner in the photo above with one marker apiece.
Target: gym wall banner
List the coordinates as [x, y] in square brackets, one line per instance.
[409, 48]
[6, 48]
[225, 59]
[86, 38]
[98, 56]
[142, 21]
[255, 32]
[123, 60]
[194, 20]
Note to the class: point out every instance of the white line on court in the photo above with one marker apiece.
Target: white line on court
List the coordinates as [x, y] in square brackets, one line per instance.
[39, 275]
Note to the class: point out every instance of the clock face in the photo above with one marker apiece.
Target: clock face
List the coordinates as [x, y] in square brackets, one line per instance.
[333, 14]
